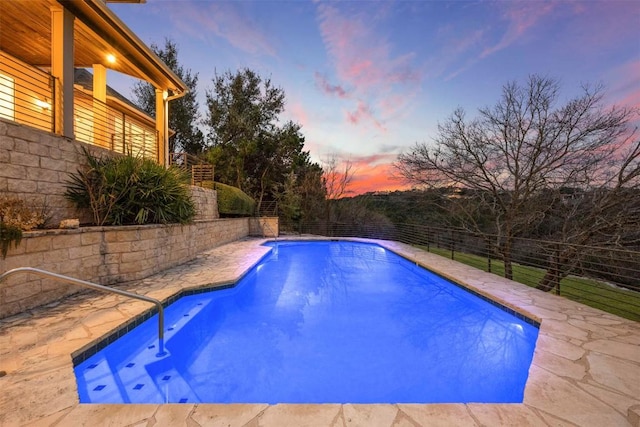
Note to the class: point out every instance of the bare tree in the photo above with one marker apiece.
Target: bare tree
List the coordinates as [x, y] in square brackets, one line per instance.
[524, 148]
[336, 177]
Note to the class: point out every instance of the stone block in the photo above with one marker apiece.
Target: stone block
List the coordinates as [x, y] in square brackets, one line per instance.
[15, 172]
[37, 174]
[91, 262]
[71, 267]
[22, 292]
[78, 252]
[35, 148]
[38, 244]
[21, 186]
[129, 268]
[23, 260]
[22, 131]
[24, 159]
[127, 235]
[57, 255]
[54, 164]
[118, 247]
[91, 238]
[4, 155]
[66, 241]
[55, 152]
[130, 256]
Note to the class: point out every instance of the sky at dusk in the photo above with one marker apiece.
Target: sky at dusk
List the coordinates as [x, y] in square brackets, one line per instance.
[366, 80]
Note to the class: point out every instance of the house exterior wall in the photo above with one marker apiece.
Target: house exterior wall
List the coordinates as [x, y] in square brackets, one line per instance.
[105, 255]
[27, 96]
[27, 86]
[35, 166]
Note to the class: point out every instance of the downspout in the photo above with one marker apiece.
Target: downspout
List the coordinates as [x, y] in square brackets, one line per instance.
[166, 122]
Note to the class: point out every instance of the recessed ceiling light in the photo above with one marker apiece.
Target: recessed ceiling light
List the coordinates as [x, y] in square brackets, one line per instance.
[111, 59]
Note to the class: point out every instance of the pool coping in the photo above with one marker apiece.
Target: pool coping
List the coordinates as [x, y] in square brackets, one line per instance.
[585, 371]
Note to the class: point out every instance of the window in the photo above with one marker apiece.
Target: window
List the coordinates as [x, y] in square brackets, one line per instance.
[7, 98]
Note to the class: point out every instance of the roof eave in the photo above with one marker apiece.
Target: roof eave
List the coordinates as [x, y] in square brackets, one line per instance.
[96, 15]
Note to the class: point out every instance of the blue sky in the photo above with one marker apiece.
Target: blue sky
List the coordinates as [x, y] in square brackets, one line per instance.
[369, 79]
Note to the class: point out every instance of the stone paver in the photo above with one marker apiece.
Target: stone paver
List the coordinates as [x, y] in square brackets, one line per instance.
[585, 372]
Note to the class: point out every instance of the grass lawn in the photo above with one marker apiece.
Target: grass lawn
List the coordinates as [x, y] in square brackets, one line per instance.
[622, 302]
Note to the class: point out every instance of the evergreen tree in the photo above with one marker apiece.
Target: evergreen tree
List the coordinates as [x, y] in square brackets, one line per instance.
[250, 148]
[183, 112]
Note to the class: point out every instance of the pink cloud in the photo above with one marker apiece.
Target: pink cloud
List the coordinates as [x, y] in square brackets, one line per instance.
[364, 62]
[375, 173]
[361, 57]
[328, 88]
[625, 91]
[223, 19]
[521, 16]
[363, 112]
[298, 114]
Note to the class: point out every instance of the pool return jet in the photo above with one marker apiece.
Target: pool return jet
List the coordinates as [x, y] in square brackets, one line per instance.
[62, 278]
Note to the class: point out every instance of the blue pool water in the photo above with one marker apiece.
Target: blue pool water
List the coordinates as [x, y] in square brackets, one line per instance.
[321, 322]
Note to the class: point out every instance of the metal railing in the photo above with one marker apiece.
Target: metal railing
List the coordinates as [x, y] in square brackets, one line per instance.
[199, 170]
[98, 124]
[83, 283]
[265, 225]
[32, 97]
[604, 277]
[27, 94]
[267, 208]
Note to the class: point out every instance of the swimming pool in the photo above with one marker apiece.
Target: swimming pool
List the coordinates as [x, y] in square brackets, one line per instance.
[321, 322]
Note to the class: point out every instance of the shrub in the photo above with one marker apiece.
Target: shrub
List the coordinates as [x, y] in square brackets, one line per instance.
[131, 190]
[16, 217]
[15, 212]
[232, 201]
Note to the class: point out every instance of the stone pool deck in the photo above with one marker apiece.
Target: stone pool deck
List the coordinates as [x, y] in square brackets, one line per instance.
[585, 371]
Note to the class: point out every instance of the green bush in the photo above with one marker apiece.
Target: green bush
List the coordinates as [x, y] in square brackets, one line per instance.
[131, 190]
[9, 234]
[16, 217]
[232, 201]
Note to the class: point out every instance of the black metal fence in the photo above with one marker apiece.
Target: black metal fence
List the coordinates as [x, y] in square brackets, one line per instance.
[607, 278]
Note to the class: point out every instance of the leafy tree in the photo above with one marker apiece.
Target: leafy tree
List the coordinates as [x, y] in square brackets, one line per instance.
[242, 111]
[528, 146]
[312, 192]
[183, 112]
[249, 146]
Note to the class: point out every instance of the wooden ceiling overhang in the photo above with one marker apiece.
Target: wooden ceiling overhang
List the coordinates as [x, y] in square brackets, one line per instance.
[25, 33]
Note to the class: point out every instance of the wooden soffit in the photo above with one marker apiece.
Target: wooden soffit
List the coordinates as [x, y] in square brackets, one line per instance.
[25, 33]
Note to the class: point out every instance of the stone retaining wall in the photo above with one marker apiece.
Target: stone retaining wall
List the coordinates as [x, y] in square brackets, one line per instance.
[265, 226]
[35, 166]
[105, 255]
[206, 202]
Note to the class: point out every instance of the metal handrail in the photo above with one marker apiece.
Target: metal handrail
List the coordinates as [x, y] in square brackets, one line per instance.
[266, 224]
[102, 288]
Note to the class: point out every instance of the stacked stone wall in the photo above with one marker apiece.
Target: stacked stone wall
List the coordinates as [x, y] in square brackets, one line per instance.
[206, 202]
[35, 166]
[266, 226]
[105, 255]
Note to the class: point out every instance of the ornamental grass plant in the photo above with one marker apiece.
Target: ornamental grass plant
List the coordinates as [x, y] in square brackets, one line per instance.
[127, 190]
